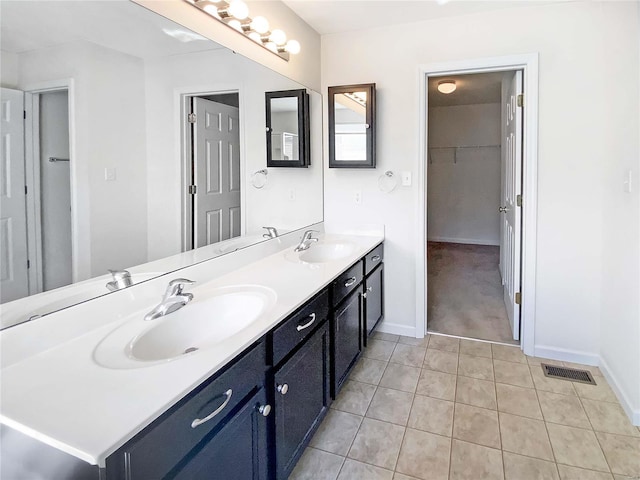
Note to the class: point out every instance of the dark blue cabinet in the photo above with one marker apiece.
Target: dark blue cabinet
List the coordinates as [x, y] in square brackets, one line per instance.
[347, 328]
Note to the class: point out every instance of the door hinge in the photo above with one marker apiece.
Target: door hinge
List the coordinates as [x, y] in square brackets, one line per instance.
[521, 100]
[518, 298]
[191, 118]
[193, 189]
[28, 264]
[25, 190]
[24, 114]
[519, 200]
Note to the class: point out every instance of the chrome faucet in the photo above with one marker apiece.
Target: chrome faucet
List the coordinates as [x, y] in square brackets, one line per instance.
[306, 241]
[271, 232]
[173, 299]
[121, 279]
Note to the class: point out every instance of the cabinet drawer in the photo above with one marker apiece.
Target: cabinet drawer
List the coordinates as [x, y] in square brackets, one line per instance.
[178, 432]
[373, 259]
[299, 326]
[346, 283]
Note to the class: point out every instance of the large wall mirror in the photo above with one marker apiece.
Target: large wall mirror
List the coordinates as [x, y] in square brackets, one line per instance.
[140, 151]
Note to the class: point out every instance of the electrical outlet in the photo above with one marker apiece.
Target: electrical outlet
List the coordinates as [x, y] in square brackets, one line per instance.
[357, 197]
[628, 181]
[292, 194]
[406, 179]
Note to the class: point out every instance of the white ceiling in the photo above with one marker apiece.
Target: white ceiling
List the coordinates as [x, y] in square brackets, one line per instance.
[331, 16]
[117, 24]
[470, 89]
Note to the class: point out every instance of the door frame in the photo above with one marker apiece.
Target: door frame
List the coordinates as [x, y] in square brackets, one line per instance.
[529, 64]
[182, 98]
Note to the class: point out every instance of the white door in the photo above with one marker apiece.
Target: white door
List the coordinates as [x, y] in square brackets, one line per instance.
[511, 211]
[14, 282]
[216, 167]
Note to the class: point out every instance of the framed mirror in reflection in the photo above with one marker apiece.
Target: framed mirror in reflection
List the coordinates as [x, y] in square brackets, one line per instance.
[287, 119]
[137, 153]
[352, 132]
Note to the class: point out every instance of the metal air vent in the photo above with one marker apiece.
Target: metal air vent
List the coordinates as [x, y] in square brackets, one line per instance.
[571, 374]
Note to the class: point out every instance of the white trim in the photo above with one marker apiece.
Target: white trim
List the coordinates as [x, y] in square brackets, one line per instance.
[564, 355]
[465, 241]
[528, 63]
[397, 329]
[632, 413]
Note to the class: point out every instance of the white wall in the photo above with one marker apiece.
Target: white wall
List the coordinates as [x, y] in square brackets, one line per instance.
[8, 70]
[463, 191]
[108, 114]
[271, 205]
[588, 136]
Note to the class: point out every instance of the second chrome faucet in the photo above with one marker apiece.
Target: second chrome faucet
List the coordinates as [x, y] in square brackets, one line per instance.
[306, 241]
[173, 299]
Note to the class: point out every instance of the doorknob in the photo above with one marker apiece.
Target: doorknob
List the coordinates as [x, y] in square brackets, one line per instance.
[503, 209]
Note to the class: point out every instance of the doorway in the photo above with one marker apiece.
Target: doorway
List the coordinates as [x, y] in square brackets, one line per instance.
[524, 202]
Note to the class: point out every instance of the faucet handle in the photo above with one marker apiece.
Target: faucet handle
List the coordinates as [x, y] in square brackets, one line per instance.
[121, 279]
[308, 234]
[176, 286]
[120, 274]
[272, 232]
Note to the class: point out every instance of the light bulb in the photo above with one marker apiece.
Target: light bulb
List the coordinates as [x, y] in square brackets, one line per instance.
[238, 9]
[235, 24]
[293, 46]
[255, 36]
[260, 25]
[212, 10]
[447, 86]
[278, 37]
[272, 46]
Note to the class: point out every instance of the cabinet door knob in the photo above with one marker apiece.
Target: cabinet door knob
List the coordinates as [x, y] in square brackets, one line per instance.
[283, 389]
[350, 282]
[375, 258]
[264, 410]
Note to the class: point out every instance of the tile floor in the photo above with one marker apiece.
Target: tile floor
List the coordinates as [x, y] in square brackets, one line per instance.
[443, 408]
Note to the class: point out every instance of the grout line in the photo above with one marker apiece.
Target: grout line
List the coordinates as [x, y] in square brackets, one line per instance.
[595, 435]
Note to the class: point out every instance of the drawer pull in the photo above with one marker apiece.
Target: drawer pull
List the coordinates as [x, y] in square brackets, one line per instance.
[308, 324]
[264, 410]
[350, 282]
[283, 389]
[375, 258]
[200, 421]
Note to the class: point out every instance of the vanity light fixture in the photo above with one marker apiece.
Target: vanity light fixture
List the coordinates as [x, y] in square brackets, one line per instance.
[235, 14]
[447, 86]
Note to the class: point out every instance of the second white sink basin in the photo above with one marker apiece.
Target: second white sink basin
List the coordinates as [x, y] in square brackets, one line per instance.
[326, 252]
[201, 324]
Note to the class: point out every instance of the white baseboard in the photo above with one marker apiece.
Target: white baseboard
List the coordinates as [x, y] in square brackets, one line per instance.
[396, 329]
[564, 355]
[632, 413]
[468, 241]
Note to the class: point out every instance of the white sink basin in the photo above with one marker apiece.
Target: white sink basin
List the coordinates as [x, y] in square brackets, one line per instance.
[326, 252]
[211, 318]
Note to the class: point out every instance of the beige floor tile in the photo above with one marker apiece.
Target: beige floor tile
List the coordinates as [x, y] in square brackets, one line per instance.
[431, 415]
[336, 432]
[408, 355]
[563, 409]
[477, 349]
[576, 447]
[379, 350]
[368, 370]
[550, 384]
[446, 344]
[437, 384]
[354, 397]
[476, 425]
[317, 465]
[539, 360]
[512, 373]
[475, 367]
[377, 443]
[479, 393]
[507, 353]
[525, 436]
[595, 371]
[517, 467]
[424, 455]
[416, 342]
[622, 452]
[440, 361]
[609, 418]
[518, 401]
[474, 462]
[385, 336]
[390, 406]
[400, 377]
[624, 477]
[601, 392]
[402, 476]
[575, 473]
[353, 470]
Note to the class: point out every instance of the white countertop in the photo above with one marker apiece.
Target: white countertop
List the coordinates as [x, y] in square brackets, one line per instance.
[62, 397]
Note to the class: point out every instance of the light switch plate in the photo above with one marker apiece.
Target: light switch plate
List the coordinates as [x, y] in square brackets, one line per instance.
[406, 179]
[109, 174]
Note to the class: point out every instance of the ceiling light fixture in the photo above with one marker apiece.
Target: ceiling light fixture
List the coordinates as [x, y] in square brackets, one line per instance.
[235, 14]
[447, 86]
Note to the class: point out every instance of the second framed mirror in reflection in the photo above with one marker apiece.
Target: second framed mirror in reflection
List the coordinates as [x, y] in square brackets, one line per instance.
[287, 118]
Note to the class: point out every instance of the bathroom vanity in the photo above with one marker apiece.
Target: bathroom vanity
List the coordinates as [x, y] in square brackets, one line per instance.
[243, 408]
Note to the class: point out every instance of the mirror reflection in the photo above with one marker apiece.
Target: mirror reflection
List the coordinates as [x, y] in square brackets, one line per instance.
[140, 142]
[351, 121]
[284, 129]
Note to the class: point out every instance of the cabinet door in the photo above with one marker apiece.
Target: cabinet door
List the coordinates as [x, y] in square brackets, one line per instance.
[237, 452]
[301, 399]
[374, 310]
[346, 337]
